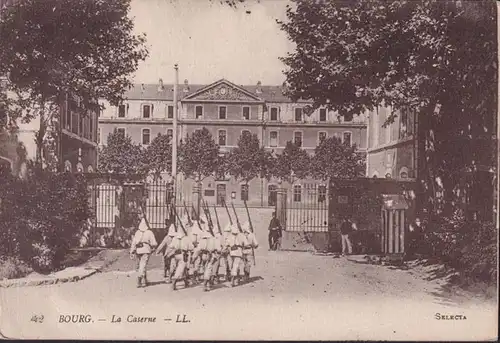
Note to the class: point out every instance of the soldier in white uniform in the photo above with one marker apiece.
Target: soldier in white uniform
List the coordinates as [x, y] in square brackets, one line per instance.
[214, 248]
[182, 248]
[225, 258]
[235, 243]
[142, 246]
[168, 262]
[248, 253]
[195, 234]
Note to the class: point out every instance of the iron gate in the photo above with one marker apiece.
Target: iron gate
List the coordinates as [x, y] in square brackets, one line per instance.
[303, 207]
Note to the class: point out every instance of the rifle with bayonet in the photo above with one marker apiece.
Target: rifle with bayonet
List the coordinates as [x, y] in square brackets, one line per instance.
[228, 214]
[237, 220]
[209, 217]
[198, 221]
[188, 216]
[180, 222]
[251, 228]
[217, 218]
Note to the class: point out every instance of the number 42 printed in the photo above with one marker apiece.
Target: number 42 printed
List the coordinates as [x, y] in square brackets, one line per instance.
[37, 318]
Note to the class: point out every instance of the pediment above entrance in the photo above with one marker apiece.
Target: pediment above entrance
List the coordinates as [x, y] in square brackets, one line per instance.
[222, 91]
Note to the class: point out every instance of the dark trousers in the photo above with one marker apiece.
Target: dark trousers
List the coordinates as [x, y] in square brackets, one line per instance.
[273, 238]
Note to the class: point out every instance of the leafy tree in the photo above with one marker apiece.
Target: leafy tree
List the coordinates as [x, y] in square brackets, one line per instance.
[120, 155]
[438, 58]
[292, 164]
[157, 158]
[53, 48]
[199, 155]
[248, 160]
[334, 159]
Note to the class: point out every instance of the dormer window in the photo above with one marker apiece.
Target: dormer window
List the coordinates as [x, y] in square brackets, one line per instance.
[258, 90]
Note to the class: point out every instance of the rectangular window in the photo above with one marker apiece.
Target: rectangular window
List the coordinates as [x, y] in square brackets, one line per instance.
[297, 193]
[80, 125]
[347, 138]
[170, 133]
[244, 192]
[322, 114]
[297, 138]
[274, 113]
[146, 136]
[222, 112]
[199, 112]
[146, 111]
[91, 126]
[209, 192]
[348, 117]
[68, 119]
[222, 137]
[273, 138]
[121, 111]
[403, 124]
[298, 114]
[245, 132]
[121, 130]
[321, 136]
[170, 112]
[246, 112]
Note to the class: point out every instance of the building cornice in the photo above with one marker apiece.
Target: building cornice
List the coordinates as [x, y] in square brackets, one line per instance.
[81, 139]
[391, 145]
[225, 122]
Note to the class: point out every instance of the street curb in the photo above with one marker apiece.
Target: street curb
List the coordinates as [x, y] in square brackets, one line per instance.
[45, 281]
[48, 280]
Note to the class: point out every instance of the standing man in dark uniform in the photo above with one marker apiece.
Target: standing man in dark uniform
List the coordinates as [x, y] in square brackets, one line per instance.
[274, 232]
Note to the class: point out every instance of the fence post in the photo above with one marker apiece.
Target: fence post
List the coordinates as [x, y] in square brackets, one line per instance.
[281, 206]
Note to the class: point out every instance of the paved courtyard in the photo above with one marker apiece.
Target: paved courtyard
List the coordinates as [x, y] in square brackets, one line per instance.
[292, 295]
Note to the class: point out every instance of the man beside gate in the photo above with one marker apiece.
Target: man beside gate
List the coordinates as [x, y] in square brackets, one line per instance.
[346, 228]
[274, 232]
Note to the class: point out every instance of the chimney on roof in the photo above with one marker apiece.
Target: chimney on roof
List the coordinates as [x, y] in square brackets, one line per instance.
[259, 88]
[160, 85]
[186, 86]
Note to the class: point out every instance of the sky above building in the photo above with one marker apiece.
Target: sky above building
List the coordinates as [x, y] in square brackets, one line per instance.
[210, 41]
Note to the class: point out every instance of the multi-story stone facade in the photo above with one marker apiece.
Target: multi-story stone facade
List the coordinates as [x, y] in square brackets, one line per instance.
[392, 150]
[227, 110]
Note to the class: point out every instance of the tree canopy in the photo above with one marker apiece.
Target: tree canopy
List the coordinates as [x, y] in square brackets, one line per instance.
[199, 155]
[157, 158]
[334, 159]
[248, 160]
[292, 164]
[54, 48]
[120, 155]
[438, 58]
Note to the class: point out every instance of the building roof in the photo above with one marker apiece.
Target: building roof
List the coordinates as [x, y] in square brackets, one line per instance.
[150, 91]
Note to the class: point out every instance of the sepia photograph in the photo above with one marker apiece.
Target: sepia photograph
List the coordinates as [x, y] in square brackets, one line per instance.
[249, 170]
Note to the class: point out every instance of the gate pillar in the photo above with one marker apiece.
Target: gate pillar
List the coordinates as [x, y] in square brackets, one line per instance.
[281, 194]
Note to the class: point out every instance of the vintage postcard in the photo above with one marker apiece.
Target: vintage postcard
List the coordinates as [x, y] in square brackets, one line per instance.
[249, 170]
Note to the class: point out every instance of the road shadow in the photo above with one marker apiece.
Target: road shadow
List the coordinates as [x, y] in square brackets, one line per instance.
[251, 280]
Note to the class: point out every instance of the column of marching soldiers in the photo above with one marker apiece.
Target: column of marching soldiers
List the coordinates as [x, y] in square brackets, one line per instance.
[197, 250]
